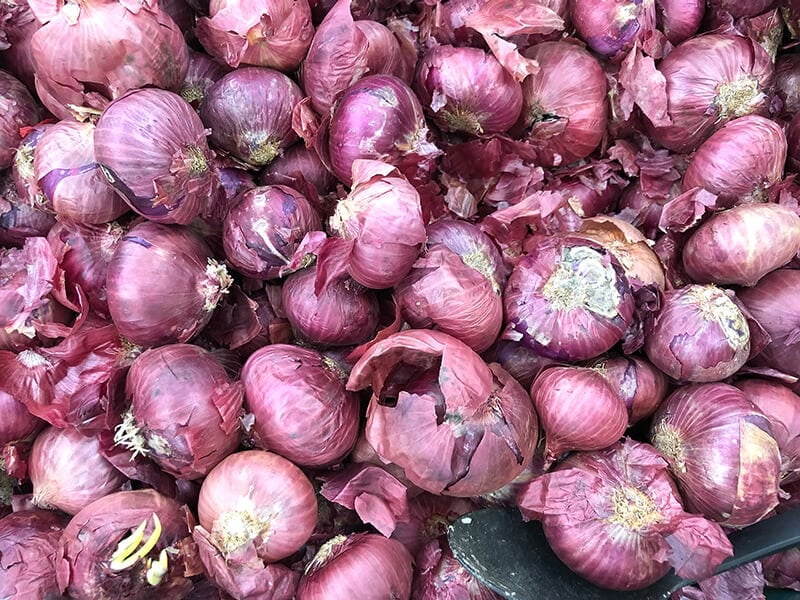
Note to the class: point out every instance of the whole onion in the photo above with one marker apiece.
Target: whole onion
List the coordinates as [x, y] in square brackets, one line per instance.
[342, 314]
[18, 220]
[345, 566]
[264, 227]
[698, 335]
[70, 178]
[564, 104]
[612, 27]
[249, 112]
[568, 299]
[179, 288]
[711, 79]
[152, 148]
[467, 90]
[18, 423]
[679, 19]
[740, 160]
[379, 117]
[455, 425]
[184, 411]
[715, 424]
[202, 74]
[636, 381]
[578, 410]
[783, 569]
[18, 109]
[473, 246]
[729, 248]
[68, 471]
[300, 406]
[787, 82]
[265, 33]
[82, 63]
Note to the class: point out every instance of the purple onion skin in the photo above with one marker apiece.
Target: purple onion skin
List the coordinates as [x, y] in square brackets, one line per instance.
[793, 142]
[22, 170]
[249, 112]
[17, 109]
[297, 164]
[639, 384]
[203, 73]
[742, 8]
[610, 27]
[787, 82]
[18, 424]
[18, 221]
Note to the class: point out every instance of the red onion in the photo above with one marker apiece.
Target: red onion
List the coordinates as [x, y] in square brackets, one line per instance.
[711, 79]
[265, 33]
[300, 406]
[379, 117]
[263, 229]
[18, 109]
[202, 74]
[342, 314]
[612, 27]
[740, 161]
[564, 105]
[346, 566]
[578, 410]
[299, 168]
[91, 563]
[715, 424]
[729, 248]
[742, 8]
[152, 148]
[522, 363]
[615, 518]
[467, 90]
[568, 300]
[82, 63]
[26, 278]
[68, 471]
[22, 171]
[18, 26]
[699, 335]
[28, 545]
[18, 424]
[679, 19]
[455, 425]
[249, 112]
[636, 381]
[18, 220]
[440, 575]
[184, 412]
[180, 287]
[70, 178]
[783, 569]
[787, 82]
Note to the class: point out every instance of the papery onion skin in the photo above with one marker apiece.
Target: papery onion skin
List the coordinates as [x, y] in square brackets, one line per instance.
[346, 566]
[636, 381]
[731, 248]
[22, 171]
[783, 569]
[249, 112]
[18, 30]
[699, 335]
[69, 472]
[18, 109]
[301, 408]
[473, 246]
[440, 575]
[178, 288]
[296, 164]
[679, 19]
[467, 90]
[18, 220]
[152, 148]
[18, 423]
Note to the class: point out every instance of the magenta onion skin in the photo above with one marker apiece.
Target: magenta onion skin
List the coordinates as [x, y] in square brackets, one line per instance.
[730, 247]
[471, 244]
[740, 160]
[296, 167]
[18, 109]
[264, 227]
[301, 408]
[249, 112]
[18, 423]
[68, 471]
[467, 90]
[715, 424]
[184, 411]
[180, 286]
[782, 570]
[611, 27]
[22, 171]
[679, 19]
[343, 314]
[787, 82]
[152, 148]
[699, 335]
[440, 575]
[15, 39]
[345, 566]
[257, 499]
[18, 220]
[568, 300]
[639, 384]
[202, 74]
[564, 105]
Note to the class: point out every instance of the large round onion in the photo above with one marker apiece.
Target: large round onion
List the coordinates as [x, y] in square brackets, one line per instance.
[715, 424]
[17, 109]
[152, 148]
[300, 406]
[176, 290]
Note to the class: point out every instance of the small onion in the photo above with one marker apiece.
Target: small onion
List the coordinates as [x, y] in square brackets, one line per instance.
[249, 112]
[729, 248]
[203, 73]
[345, 566]
[636, 381]
[179, 288]
[17, 110]
[612, 27]
[698, 335]
[300, 406]
[714, 424]
[68, 471]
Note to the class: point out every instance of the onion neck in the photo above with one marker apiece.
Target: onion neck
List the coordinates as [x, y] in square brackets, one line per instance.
[716, 306]
[461, 119]
[633, 509]
[263, 152]
[193, 93]
[583, 279]
[327, 552]
[236, 528]
[738, 98]
[668, 441]
[196, 161]
[215, 284]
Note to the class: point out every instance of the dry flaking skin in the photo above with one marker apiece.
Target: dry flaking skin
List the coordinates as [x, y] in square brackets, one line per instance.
[716, 306]
[738, 98]
[633, 509]
[235, 528]
[667, 440]
[583, 280]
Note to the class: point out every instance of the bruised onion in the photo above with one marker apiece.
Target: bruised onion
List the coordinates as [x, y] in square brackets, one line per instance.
[636, 381]
[730, 247]
[18, 110]
[249, 112]
[714, 424]
[184, 411]
[179, 288]
[299, 404]
[450, 437]
[152, 148]
[68, 471]
[719, 334]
